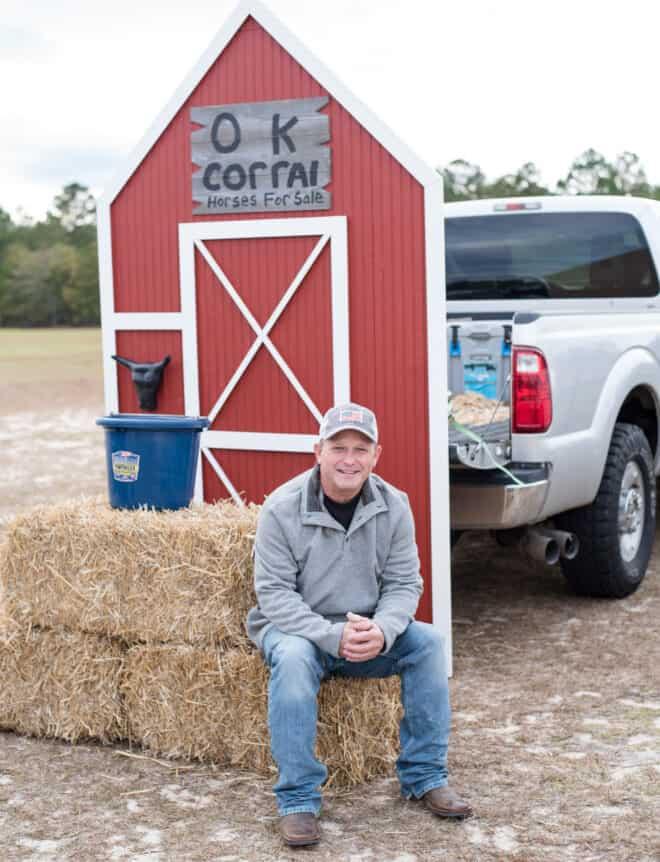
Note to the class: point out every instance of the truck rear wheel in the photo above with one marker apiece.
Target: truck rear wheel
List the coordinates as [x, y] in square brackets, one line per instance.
[616, 531]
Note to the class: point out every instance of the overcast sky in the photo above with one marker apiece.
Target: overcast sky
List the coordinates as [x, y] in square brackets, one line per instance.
[497, 83]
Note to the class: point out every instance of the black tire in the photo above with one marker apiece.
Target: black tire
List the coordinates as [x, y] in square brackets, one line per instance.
[603, 568]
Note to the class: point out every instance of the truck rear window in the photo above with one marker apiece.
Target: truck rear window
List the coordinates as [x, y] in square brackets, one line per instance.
[548, 256]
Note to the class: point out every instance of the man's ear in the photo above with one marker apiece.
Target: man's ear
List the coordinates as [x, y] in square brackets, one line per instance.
[317, 452]
[379, 449]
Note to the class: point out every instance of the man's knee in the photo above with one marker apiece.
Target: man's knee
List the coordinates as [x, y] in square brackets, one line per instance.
[294, 655]
[424, 639]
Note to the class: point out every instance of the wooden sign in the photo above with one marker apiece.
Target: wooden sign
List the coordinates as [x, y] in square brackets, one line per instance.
[261, 157]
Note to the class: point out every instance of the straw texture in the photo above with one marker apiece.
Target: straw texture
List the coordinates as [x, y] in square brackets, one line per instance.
[130, 625]
[138, 575]
[472, 408]
[61, 684]
[209, 705]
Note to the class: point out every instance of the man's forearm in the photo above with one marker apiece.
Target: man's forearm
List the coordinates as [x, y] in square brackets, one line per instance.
[287, 610]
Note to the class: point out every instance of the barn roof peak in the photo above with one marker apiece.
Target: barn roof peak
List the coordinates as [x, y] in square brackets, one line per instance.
[275, 28]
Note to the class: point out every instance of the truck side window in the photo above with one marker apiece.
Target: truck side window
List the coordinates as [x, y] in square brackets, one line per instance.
[571, 255]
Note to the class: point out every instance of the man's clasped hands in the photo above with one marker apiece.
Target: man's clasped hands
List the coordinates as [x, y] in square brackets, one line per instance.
[361, 639]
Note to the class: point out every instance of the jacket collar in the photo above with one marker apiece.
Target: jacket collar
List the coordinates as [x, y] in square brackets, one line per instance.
[314, 513]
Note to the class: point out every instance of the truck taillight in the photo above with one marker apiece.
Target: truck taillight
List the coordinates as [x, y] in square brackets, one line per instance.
[531, 398]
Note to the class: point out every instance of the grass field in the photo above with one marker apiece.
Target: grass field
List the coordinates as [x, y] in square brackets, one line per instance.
[29, 356]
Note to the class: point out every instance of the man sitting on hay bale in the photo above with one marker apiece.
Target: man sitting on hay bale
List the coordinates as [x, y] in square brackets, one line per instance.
[337, 582]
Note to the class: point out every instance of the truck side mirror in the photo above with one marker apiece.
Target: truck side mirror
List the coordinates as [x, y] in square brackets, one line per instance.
[147, 377]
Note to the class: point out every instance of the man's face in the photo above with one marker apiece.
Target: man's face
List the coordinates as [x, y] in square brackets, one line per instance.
[345, 460]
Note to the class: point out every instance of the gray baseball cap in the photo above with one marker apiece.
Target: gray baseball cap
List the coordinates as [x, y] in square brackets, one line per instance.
[345, 417]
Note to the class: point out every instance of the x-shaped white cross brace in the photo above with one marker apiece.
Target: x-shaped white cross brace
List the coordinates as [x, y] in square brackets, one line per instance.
[262, 338]
[262, 333]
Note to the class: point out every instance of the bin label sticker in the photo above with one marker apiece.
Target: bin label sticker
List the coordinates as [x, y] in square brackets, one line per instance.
[125, 466]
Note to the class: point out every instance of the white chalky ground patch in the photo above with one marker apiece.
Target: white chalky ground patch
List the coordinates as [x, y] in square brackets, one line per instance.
[150, 837]
[574, 755]
[532, 718]
[588, 694]
[505, 839]
[641, 739]
[555, 700]
[16, 800]
[468, 716]
[5, 779]
[402, 857]
[44, 850]
[633, 762]
[608, 810]
[133, 807]
[118, 850]
[507, 730]
[542, 811]
[185, 798]
[216, 784]
[638, 608]
[646, 704]
[596, 721]
[332, 827]
[538, 749]
[224, 835]
[475, 834]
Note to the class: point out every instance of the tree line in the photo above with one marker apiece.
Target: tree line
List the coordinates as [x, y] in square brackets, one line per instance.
[590, 174]
[49, 268]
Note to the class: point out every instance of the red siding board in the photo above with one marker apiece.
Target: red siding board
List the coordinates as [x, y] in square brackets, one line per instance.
[151, 346]
[253, 474]
[387, 308]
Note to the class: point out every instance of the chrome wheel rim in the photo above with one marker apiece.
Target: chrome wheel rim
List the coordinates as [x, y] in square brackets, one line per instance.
[632, 503]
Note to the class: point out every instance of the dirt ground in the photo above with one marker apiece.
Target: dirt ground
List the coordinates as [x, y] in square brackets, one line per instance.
[556, 703]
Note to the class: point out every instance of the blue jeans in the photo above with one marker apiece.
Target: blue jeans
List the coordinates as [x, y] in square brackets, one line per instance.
[297, 667]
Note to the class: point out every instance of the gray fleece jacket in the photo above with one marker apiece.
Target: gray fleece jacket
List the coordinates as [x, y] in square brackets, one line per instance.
[309, 571]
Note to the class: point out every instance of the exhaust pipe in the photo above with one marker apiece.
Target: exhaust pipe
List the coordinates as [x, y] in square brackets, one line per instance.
[569, 544]
[540, 547]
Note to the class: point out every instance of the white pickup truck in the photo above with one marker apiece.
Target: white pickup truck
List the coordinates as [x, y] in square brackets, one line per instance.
[554, 311]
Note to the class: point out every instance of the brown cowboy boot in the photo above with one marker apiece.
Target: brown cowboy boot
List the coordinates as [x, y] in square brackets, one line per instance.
[300, 829]
[444, 802]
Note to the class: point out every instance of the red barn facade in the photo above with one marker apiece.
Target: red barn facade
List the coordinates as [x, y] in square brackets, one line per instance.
[282, 282]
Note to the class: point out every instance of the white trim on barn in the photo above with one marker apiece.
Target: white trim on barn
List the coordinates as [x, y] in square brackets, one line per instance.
[438, 431]
[192, 236]
[147, 320]
[436, 307]
[107, 297]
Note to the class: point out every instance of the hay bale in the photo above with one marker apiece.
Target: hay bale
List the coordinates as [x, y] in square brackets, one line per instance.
[209, 705]
[141, 575]
[472, 408]
[61, 684]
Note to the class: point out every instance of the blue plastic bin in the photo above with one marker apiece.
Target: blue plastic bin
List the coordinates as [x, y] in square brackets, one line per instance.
[481, 379]
[151, 460]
